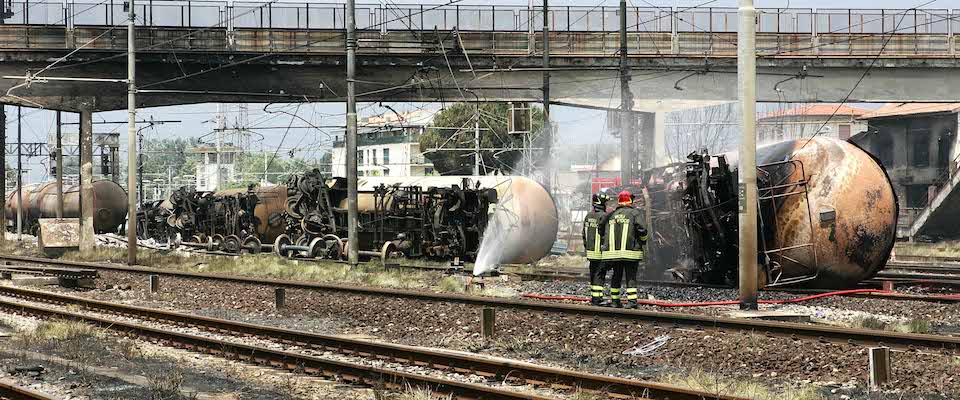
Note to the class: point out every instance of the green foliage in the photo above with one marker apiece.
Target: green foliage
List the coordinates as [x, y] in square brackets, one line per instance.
[173, 154]
[493, 117]
[250, 168]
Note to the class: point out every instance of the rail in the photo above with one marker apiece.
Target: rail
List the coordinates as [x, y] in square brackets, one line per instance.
[511, 28]
[862, 337]
[292, 361]
[14, 392]
[498, 369]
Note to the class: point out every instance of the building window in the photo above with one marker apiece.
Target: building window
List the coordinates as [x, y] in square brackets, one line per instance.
[883, 148]
[374, 157]
[844, 132]
[359, 157]
[428, 171]
[921, 151]
[917, 196]
[386, 156]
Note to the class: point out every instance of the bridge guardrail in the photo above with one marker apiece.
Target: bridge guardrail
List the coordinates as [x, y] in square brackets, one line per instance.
[497, 29]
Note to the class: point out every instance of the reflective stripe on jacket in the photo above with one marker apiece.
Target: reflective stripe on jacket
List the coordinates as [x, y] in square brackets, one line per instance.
[591, 234]
[624, 234]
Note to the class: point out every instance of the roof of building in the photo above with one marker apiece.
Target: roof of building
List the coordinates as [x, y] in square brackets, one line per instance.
[421, 117]
[227, 148]
[900, 109]
[815, 110]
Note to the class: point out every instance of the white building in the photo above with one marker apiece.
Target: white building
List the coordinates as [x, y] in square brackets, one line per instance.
[208, 176]
[832, 120]
[388, 145]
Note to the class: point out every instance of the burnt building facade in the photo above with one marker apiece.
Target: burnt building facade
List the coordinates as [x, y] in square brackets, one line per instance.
[917, 144]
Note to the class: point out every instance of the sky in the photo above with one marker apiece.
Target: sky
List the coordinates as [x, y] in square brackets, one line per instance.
[576, 126]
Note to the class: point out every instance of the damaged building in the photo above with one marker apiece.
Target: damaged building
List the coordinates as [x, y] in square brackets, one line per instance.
[917, 144]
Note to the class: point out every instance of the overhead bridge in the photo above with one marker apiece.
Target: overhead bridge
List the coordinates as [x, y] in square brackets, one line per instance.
[196, 51]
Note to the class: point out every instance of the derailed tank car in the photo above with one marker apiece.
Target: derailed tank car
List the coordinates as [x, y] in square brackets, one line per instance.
[109, 205]
[827, 216]
[232, 220]
[432, 217]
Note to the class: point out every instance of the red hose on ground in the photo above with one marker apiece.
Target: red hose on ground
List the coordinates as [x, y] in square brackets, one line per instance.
[713, 303]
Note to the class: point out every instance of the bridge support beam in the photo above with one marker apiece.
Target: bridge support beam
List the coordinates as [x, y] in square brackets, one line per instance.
[86, 181]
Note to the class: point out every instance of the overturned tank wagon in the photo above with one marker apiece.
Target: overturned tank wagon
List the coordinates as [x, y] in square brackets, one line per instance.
[411, 217]
[232, 220]
[109, 205]
[827, 216]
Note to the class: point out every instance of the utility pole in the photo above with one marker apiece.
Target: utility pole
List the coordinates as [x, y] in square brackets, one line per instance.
[221, 126]
[19, 174]
[140, 166]
[476, 141]
[59, 165]
[628, 140]
[131, 136]
[747, 77]
[3, 173]
[350, 145]
[547, 141]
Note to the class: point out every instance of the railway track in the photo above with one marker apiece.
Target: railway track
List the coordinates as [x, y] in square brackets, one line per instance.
[10, 391]
[924, 266]
[494, 370]
[857, 337]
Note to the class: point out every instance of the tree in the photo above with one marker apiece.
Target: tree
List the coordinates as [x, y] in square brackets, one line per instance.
[250, 168]
[713, 128]
[159, 155]
[438, 144]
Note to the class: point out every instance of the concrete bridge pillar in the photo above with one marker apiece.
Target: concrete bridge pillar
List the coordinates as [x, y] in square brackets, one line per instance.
[646, 142]
[86, 181]
[659, 139]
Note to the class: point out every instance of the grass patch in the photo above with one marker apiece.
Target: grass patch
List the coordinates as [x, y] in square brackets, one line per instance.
[939, 249]
[564, 261]
[581, 395]
[271, 266]
[913, 326]
[451, 284]
[417, 393]
[700, 380]
[63, 330]
[868, 322]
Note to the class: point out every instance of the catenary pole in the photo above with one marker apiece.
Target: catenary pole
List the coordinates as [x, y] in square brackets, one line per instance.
[131, 136]
[747, 76]
[350, 145]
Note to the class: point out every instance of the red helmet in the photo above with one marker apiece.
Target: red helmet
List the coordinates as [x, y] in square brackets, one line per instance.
[625, 198]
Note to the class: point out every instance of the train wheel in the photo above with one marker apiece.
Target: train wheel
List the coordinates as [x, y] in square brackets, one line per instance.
[196, 239]
[216, 242]
[282, 241]
[232, 244]
[252, 245]
[317, 249]
[303, 240]
[389, 253]
[336, 247]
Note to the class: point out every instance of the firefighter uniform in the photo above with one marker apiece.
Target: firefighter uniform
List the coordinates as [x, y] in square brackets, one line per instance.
[624, 236]
[592, 242]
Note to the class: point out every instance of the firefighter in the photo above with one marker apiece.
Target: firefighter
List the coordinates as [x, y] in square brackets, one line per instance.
[624, 235]
[591, 242]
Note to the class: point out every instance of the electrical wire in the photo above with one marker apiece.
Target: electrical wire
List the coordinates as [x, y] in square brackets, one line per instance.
[857, 84]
